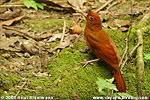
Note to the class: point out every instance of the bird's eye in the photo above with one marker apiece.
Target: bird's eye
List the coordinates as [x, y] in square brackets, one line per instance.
[91, 18]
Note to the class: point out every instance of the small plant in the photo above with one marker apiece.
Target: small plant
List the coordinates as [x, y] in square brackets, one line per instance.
[104, 84]
[146, 57]
[33, 4]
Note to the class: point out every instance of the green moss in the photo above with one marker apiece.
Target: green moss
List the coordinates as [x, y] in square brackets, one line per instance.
[15, 78]
[119, 39]
[81, 81]
[47, 24]
[68, 76]
[13, 90]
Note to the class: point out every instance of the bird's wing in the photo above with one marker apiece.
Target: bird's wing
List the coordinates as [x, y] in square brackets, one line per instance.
[106, 51]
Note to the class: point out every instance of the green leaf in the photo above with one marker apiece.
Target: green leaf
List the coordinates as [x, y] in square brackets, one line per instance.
[110, 80]
[147, 56]
[118, 25]
[27, 3]
[103, 84]
[35, 7]
[124, 95]
[39, 5]
[33, 4]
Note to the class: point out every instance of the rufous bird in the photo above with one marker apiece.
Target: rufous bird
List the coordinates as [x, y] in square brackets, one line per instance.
[103, 46]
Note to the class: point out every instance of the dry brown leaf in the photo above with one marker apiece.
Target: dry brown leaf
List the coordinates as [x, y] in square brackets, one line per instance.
[55, 37]
[2, 1]
[122, 25]
[29, 47]
[9, 22]
[75, 29]
[39, 74]
[42, 36]
[123, 29]
[10, 15]
[2, 10]
[10, 33]
[76, 68]
[75, 96]
[2, 34]
[10, 41]
[120, 22]
[77, 3]
[63, 44]
[74, 37]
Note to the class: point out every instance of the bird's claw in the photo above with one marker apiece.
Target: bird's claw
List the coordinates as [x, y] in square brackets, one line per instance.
[87, 62]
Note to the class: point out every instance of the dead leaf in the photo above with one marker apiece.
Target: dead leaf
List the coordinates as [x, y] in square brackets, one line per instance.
[42, 36]
[9, 22]
[26, 55]
[2, 10]
[10, 33]
[55, 37]
[75, 29]
[77, 3]
[63, 44]
[10, 15]
[19, 54]
[2, 34]
[2, 1]
[74, 37]
[120, 22]
[10, 41]
[76, 68]
[29, 47]
[122, 25]
[39, 74]
[75, 96]
[123, 29]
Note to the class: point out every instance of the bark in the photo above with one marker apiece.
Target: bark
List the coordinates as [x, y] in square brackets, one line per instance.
[140, 62]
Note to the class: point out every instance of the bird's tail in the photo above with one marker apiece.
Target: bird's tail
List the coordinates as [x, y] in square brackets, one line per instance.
[120, 81]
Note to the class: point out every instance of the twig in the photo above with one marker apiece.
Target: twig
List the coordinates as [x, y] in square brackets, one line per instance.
[26, 89]
[63, 34]
[62, 37]
[130, 29]
[112, 5]
[144, 19]
[127, 48]
[90, 61]
[21, 88]
[103, 6]
[125, 52]
[27, 36]
[11, 6]
[80, 12]
[130, 54]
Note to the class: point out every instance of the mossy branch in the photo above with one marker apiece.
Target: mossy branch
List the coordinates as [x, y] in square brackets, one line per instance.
[140, 62]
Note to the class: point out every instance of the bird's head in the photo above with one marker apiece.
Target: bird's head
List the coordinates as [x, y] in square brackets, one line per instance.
[93, 20]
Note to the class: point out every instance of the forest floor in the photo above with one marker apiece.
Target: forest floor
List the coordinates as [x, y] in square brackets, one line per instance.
[36, 61]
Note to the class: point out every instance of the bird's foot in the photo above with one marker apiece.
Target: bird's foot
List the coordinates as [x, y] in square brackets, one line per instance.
[87, 62]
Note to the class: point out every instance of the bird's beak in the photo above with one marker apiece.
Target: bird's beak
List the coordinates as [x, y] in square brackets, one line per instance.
[81, 12]
[84, 16]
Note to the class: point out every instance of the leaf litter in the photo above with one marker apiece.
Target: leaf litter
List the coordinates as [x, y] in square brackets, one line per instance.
[23, 50]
